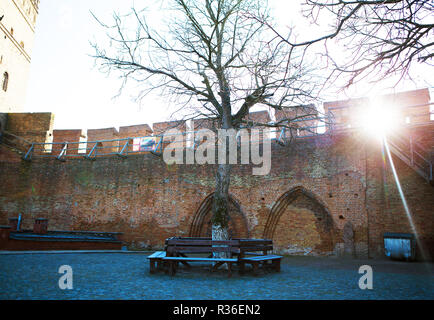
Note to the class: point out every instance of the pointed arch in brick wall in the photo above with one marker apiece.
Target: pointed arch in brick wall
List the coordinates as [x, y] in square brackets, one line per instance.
[201, 224]
[285, 215]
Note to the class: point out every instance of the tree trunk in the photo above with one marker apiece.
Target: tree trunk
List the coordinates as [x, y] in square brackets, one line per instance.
[220, 218]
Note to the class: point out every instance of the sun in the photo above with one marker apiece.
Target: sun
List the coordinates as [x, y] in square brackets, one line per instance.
[379, 119]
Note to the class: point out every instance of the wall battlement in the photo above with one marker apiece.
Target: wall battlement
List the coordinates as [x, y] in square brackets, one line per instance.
[329, 194]
[409, 109]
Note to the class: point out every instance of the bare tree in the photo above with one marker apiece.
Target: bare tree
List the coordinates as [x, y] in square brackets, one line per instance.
[381, 38]
[215, 62]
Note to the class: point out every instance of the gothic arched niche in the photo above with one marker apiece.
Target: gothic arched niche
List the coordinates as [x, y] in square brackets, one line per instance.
[201, 225]
[299, 222]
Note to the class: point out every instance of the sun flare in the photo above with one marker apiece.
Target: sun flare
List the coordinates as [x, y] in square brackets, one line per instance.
[379, 119]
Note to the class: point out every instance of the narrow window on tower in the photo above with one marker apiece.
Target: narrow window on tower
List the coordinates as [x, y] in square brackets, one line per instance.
[5, 81]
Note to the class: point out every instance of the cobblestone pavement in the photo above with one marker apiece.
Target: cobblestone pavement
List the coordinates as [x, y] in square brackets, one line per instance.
[126, 276]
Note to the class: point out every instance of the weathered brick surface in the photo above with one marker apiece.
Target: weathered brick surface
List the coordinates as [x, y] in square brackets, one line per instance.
[258, 117]
[201, 225]
[198, 124]
[70, 137]
[140, 130]
[161, 127]
[343, 114]
[168, 129]
[304, 117]
[34, 127]
[411, 104]
[410, 107]
[103, 147]
[322, 183]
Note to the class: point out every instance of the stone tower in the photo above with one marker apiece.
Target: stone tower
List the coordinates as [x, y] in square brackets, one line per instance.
[17, 32]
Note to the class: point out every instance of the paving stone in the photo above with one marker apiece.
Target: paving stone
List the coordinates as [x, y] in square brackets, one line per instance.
[126, 276]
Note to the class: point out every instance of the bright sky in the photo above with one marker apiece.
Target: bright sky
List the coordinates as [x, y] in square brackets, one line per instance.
[64, 80]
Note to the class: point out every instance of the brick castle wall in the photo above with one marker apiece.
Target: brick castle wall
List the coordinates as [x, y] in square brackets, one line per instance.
[62, 137]
[34, 127]
[316, 186]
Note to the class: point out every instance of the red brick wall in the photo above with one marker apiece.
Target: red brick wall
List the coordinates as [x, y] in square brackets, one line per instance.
[23, 123]
[103, 134]
[410, 104]
[342, 178]
[62, 136]
[343, 114]
[258, 117]
[33, 127]
[178, 141]
[304, 119]
[211, 124]
[142, 130]
[161, 127]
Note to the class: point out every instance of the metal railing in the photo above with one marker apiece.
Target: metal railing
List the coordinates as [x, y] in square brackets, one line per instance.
[414, 154]
[156, 143]
[140, 145]
[92, 149]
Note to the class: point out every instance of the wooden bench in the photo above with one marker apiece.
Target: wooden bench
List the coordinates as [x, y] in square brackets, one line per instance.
[155, 261]
[173, 261]
[248, 254]
[256, 261]
[178, 248]
[239, 251]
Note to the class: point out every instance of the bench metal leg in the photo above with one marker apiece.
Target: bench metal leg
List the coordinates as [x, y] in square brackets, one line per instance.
[151, 265]
[276, 265]
[185, 263]
[242, 270]
[172, 267]
[255, 268]
[216, 266]
[229, 269]
[160, 264]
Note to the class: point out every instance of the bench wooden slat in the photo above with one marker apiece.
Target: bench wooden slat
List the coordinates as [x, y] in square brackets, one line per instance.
[256, 248]
[194, 239]
[202, 242]
[156, 255]
[193, 249]
[262, 258]
[246, 243]
[200, 259]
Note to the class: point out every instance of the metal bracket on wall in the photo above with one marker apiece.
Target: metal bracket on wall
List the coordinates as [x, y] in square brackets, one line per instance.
[28, 155]
[92, 153]
[155, 151]
[124, 151]
[62, 153]
[281, 136]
